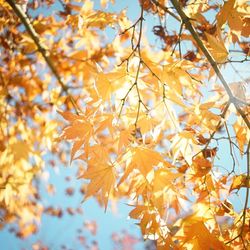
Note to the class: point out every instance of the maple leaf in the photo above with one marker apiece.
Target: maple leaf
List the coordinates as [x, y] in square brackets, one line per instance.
[239, 181]
[194, 233]
[230, 14]
[143, 159]
[148, 215]
[105, 122]
[163, 179]
[124, 139]
[104, 3]
[184, 143]
[202, 115]
[20, 150]
[201, 166]
[176, 77]
[28, 45]
[104, 86]
[100, 19]
[241, 135]
[102, 178]
[217, 49]
[69, 116]
[79, 130]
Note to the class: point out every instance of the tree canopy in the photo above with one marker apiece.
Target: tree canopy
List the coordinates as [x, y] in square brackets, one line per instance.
[144, 108]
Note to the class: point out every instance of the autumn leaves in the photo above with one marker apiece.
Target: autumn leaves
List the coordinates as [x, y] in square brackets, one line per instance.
[136, 114]
[144, 134]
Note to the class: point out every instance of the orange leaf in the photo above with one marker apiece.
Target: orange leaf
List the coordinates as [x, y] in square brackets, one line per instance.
[217, 49]
[143, 159]
[102, 177]
[240, 181]
[68, 116]
[201, 166]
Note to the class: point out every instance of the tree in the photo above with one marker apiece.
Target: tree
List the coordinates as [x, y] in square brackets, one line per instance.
[145, 122]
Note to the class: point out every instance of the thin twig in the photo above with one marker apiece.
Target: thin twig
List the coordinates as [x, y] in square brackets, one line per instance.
[223, 114]
[136, 48]
[230, 148]
[246, 201]
[178, 42]
[166, 9]
[232, 142]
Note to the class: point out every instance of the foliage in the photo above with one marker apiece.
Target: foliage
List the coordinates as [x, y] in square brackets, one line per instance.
[141, 121]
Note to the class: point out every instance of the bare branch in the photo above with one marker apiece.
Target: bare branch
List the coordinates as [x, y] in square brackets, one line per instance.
[166, 9]
[135, 49]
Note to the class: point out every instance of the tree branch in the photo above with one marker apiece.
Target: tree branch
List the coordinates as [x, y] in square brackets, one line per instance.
[246, 201]
[35, 37]
[166, 9]
[185, 19]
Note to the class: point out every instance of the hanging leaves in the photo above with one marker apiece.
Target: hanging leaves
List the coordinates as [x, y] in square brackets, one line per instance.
[102, 177]
[145, 121]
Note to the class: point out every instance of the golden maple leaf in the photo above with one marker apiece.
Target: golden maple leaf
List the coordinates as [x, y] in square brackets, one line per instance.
[102, 178]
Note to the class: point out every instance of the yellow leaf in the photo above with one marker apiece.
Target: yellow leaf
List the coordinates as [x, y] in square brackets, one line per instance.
[105, 2]
[195, 234]
[217, 49]
[124, 139]
[240, 181]
[102, 177]
[152, 226]
[143, 159]
[68, 115]
[184, 144]
[103, 86]
[20, 150]
[241, 135]
[28, 45]
[225, 12]
[76, 146]
[229, 14]
[105, 123]
[77, 130]
[100, 19]
[163, 179]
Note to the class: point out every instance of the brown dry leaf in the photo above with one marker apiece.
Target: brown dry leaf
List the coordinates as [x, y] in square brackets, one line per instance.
[201, 166]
